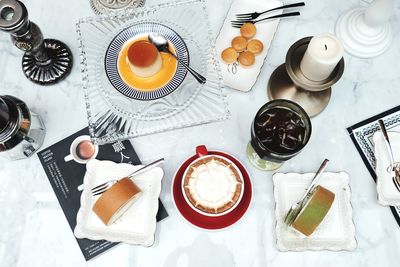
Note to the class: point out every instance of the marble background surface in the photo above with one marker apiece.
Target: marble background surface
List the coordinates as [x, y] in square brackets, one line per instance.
[34, 232]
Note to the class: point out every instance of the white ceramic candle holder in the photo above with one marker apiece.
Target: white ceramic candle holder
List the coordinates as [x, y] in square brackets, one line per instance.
[366, 32]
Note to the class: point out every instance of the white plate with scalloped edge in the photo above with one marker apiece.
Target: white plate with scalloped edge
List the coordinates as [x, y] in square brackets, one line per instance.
[137, 225]
[336, 231]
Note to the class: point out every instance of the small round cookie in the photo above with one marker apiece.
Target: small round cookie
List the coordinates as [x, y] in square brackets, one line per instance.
[248, 30]
[229, 55]
[255, 46]
[246, 58]
[239, 43]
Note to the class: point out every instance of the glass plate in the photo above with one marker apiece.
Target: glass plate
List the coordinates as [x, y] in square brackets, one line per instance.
[113, 116]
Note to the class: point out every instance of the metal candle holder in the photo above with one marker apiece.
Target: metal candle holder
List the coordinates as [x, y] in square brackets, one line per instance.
[288, 81]
[46, 61]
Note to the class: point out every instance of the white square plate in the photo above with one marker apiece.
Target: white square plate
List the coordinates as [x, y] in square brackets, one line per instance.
[336, 231]
[243, 79]
[388, 195]
[138, 224]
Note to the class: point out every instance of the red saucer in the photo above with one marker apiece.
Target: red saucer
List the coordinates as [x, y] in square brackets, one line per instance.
[209, 222]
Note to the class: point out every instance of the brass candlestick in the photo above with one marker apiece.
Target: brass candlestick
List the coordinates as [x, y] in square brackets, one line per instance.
[46, 61]
[288, 81]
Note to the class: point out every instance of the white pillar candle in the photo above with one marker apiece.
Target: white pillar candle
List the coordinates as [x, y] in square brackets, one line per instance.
[321, 57]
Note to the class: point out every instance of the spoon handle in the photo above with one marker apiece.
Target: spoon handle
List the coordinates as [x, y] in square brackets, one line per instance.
[195, 74]
[387, 142]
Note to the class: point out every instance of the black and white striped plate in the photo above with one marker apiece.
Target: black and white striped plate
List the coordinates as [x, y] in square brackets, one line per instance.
[140, 29]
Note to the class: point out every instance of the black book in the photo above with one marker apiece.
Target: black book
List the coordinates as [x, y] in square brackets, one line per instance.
[65, 171]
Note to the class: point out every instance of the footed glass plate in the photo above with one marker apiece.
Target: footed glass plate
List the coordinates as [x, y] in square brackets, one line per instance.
[113, 116]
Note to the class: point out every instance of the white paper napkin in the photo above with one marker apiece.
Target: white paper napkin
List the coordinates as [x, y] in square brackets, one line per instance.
[138, 224]
[388, 195]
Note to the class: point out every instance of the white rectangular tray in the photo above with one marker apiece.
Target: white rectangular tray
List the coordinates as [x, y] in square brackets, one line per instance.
[238, 77]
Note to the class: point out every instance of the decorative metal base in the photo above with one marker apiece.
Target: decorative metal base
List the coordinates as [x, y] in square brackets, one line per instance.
[56, 68]
[104, 6]
[281, 86]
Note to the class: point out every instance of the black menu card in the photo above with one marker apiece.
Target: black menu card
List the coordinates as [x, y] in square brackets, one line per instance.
[361, 135]
[65, 172]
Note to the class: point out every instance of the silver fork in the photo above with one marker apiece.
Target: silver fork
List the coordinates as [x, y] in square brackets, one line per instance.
[254, 15]
[239, 23]
[394, 171]
[100, 189]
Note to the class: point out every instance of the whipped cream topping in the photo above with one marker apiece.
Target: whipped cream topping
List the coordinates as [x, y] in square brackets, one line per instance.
[212, 184]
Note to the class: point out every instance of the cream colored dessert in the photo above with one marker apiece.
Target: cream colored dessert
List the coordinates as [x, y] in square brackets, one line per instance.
[255, 46]
[246, 58]
[248, 30]
[239, 43]
[229, 55]
[213, 185]
[144, 59]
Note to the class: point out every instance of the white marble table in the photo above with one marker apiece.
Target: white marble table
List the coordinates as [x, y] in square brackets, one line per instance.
[34, 232]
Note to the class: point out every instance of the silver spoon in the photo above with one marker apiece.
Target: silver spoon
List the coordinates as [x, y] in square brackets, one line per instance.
[390, 150]
[162, 45]
[296, 208]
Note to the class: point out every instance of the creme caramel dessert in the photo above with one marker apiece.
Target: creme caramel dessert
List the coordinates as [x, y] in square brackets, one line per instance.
[144, 59]
[143, 68]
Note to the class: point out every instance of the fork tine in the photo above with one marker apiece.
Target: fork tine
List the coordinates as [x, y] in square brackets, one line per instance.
[104, 187]
[244, 18]
[241, 21]
[99, 186]
[236, 25]
[99, 192]
[244, 14]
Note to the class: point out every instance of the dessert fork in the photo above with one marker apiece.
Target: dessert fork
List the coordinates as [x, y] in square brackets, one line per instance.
[239, 23]
[254, 15]
[394, 171]
[296, 208]
[100, 189]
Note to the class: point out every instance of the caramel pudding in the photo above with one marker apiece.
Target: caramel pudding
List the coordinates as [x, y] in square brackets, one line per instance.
[144, 59]
[135, 72]
[212, 185]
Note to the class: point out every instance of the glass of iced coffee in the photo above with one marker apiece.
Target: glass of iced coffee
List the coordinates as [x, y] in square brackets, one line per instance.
[280, 130]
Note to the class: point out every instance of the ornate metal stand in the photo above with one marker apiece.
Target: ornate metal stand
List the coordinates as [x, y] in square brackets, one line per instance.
[105, 6]
[46, 61]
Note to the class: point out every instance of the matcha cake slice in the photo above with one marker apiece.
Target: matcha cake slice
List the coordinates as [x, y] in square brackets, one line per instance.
[314, 211]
